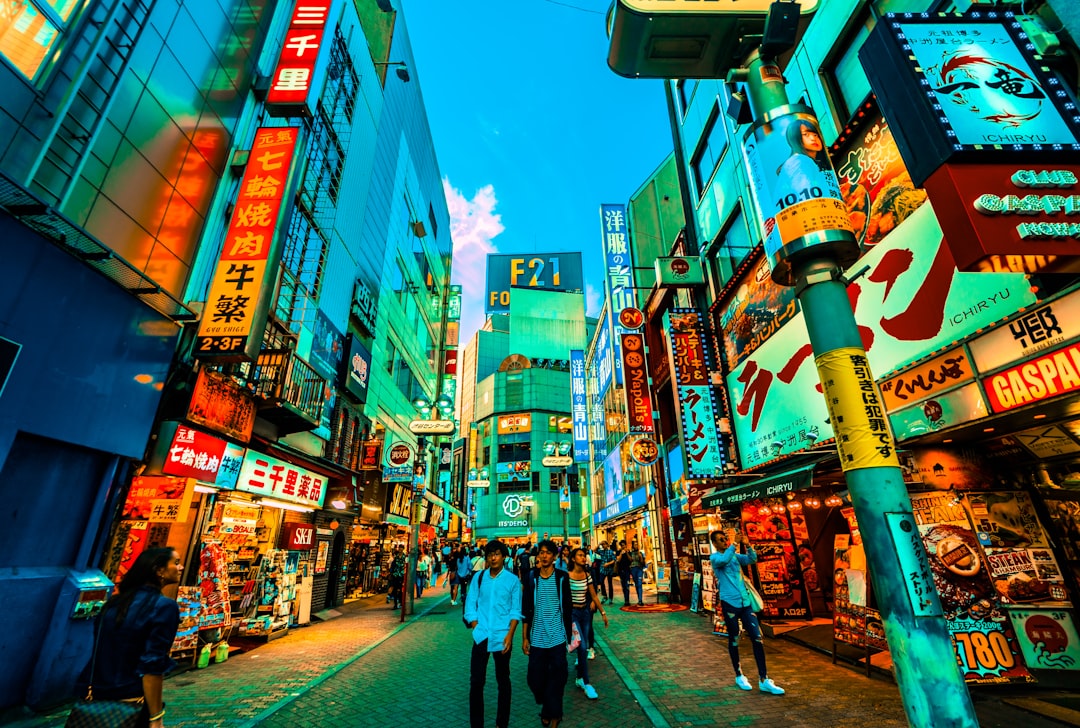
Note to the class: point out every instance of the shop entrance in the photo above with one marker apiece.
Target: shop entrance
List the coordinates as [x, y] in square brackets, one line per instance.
[337, 559]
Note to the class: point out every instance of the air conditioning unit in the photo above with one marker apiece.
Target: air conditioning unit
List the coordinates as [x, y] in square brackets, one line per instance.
[419, 230]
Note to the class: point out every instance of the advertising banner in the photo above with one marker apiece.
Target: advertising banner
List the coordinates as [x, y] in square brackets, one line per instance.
[327, 348]
[755, 310]
[778, 570]
[876, 187]
[946, 410]
[1047, 637]
[193, 454]
[579, 406]
[985, 646]
[852, 397]
[231, 327]
[1035, 331]
[924, 381]
[639, 408]
[291, 84]
[358, 374]
[911, 302]
[603, 358]
[688, 354]
[542, 271]
[796, 190]
[220, 404]
[618, 275]
[263, 475]
[510, 424]
[159, 499]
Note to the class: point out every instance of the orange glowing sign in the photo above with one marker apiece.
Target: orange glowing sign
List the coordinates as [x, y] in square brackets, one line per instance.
[235, 313]
[221, 405]
[940, 373]
[291, 85]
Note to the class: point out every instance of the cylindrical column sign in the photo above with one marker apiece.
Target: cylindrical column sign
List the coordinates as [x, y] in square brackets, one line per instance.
[796, 191]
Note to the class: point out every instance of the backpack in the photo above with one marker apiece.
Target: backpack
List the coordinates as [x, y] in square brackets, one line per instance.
[479, 581]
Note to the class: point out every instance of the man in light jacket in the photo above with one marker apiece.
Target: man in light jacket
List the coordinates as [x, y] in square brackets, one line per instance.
[492, 611]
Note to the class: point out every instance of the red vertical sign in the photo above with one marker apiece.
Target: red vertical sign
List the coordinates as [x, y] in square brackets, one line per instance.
[639, 409]
[291, 84]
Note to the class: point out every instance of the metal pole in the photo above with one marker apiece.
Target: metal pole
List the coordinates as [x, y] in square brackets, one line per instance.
[414, 531]
[931, 685]
[565, 511]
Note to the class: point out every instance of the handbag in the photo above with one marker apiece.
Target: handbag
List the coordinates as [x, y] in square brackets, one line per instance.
[756, 602]
[575, 639]
[90, 713]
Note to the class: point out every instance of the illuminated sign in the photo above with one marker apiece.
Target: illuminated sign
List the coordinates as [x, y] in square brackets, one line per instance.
[453, 304]
[509, 424]
[263, 475]
[219, 403]
[371, 455]
[513, 472]
[645, 451]
[1033, 331]
[231, 328]
[544, 271]
[939, 411]
[997, 211]
[579, 406]
[1047, 376]
[359, 370]
[966, 88]
[399, 454]
[291, 84]
[679, 272]
[926, 380]
[159, 499]
[193, 454]
[631, 318]
[639, 409]
[702, 446]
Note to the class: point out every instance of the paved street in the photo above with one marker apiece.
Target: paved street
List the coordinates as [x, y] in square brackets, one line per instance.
[665, 669]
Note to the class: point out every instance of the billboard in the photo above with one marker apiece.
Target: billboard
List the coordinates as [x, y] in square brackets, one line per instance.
[540, 271]
[639, 408]
[911, 302]
[579, 406]
[291, 85]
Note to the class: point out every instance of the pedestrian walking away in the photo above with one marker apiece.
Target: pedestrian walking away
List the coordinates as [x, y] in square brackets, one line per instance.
[547, 613]
[397, 576]
[583, 597]
[423, 568]
[622, 565]
[492, 612]
[735, 605]
[464, 571]
[606, 557]
[133, 637]
[637, 569]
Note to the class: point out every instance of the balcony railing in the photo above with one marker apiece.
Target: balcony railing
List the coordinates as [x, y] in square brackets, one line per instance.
[291, 392]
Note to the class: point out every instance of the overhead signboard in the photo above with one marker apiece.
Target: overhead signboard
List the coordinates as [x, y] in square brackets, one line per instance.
[431, 427]
[509, 424]
[233, 319]
[710, 7]
[358, 372]
[679, 272]
[541, 271]
[222, 405]
[768, 487]
[1050, 375]
[557, 461]
[1033, 331]
[926, 380]
[967, 88]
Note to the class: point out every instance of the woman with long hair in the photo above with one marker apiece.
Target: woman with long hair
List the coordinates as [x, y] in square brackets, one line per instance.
[808, 163]
[134, 634]
[583, 596]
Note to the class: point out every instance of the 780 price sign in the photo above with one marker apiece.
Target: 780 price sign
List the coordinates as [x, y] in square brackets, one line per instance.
[987, 652]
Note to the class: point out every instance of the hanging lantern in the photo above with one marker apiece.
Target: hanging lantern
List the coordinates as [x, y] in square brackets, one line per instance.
[834, 501]
[795, 506]
[812, 502]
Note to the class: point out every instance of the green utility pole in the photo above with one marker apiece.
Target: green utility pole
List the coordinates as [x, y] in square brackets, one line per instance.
[809, 243]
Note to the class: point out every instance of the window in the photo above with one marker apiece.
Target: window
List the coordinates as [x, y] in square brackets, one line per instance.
[29, 30]
[732, 246]
[709, 150]
[431, 219]
[685, 88]
[848, 83]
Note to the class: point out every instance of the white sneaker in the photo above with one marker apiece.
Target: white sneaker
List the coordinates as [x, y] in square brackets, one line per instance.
[768, 686]
[590, 692]
[743, 683]
[592, 654]
[453, 602]
[580, 683]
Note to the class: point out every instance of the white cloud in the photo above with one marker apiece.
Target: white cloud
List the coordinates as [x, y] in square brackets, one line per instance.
[594, 299]
[473, 225]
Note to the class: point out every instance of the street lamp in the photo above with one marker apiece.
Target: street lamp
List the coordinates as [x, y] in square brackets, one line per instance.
[561, 450]
[401, 71]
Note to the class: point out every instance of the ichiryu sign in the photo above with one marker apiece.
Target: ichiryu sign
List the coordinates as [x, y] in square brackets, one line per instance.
[431, 427]
[685, 38]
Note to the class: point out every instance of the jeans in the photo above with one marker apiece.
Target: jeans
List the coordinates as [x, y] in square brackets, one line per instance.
[477, 678]
[607, 586]
[582, 617]
[421, 582]
[732, 616]
[592, 630]
[547, 679]
[624, 580]
[636, 573]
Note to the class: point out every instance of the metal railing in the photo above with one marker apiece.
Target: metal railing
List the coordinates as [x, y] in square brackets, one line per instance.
[282, 376]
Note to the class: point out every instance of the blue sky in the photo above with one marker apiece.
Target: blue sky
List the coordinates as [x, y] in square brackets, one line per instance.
[532, 130]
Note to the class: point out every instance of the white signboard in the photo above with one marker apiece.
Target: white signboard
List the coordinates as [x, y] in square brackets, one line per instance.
[263, 475]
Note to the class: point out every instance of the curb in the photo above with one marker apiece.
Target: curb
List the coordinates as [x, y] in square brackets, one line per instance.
[267, 712]
[647, 706]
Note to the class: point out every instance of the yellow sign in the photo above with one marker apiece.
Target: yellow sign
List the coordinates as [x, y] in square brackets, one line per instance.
[863, 437]
[811, 216]
[509, 424]
[924, 381]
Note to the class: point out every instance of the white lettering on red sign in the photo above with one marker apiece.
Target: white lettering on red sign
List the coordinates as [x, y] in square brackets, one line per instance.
[292, 78]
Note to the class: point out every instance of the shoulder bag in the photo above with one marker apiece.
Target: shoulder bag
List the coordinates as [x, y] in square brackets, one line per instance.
[91, 713]
[756, 602]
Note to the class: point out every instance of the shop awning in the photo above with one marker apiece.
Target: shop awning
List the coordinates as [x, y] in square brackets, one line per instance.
[771, 486]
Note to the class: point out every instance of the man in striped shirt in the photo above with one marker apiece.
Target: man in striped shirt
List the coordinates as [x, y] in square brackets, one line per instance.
[547, 608]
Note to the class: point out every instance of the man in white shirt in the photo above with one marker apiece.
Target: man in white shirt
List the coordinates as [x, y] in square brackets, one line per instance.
[492, 611]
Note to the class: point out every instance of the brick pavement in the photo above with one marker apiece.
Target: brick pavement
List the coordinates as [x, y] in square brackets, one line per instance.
[665, 669]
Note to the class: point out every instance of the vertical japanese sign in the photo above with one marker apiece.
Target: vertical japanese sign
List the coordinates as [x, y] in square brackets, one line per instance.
[639, 407]
[854, 400]
[703, 452]
[579, 406]
[618, 271]
[290, 87]
[236, 305]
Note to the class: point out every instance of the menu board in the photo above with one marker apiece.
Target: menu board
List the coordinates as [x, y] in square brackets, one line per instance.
[187, 634]
[214, 586]
[770, 534]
